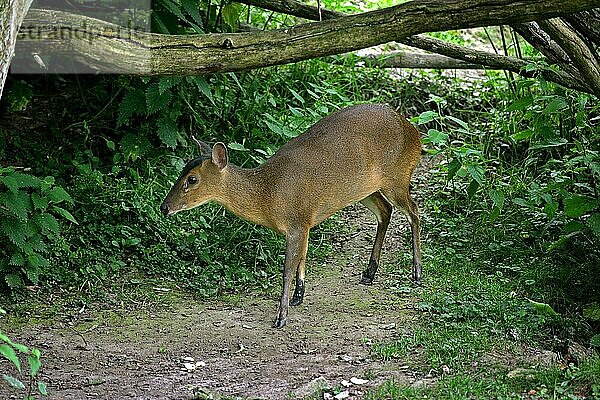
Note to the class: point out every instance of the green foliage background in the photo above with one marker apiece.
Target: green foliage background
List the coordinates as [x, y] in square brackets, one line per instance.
[510, 203]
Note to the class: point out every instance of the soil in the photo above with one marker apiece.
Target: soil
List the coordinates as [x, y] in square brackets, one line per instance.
[230, 347]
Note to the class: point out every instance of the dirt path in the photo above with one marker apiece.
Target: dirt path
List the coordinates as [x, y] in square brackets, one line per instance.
[235, 350]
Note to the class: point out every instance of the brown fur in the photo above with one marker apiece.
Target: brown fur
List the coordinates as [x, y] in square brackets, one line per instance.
[363, 153]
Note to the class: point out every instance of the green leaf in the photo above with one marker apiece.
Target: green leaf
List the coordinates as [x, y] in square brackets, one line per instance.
[436, 137]
[17, 259]
[9, 353]
[58, 195]
[10, 182]
[65, 214]
[497, 197]
[522, 202]
[520, 104]
[549, 143]
[47, 222]
[577, 205]
[572, 227]
[33, 274]
[556, 104]
[550, 209]
[592, 311]
[453, 167]
[155, 100]
[15, 230]
[203, 87]
[296, 95]
[595, 341]
[40, 202]
[460, 122]
[426, 117]
[35, 261]
[42, 388]
[472, 189]
[593, 223]
[476, 172]
[34, 363]
[522, 135]
[26, 180]
[13, 281]
[134, 102]
[231, 13]
[174, 9]
[237, 146]
[17, 203]
[167, 83]
[14, 382]
[192, 7]
[542, 308]
[167, 131]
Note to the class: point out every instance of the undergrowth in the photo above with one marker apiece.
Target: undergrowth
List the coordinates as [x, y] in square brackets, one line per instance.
[511, 214]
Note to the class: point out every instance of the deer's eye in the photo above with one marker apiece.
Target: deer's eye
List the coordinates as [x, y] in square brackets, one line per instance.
[192, 180]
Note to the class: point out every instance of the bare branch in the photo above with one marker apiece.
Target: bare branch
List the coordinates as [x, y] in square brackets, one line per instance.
[491, 60]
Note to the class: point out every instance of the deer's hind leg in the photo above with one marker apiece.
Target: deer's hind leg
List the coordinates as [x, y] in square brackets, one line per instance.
[382, 209]
[400, 197]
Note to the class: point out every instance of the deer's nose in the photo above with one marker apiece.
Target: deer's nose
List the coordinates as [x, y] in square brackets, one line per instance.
[164, 208]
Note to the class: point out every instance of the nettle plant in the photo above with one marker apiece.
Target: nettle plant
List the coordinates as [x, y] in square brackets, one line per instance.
[29, 206]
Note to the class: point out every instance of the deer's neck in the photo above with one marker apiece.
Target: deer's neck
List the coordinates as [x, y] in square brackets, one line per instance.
[247, 193]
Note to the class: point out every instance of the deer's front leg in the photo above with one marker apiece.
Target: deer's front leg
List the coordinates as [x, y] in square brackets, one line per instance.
[295, 257]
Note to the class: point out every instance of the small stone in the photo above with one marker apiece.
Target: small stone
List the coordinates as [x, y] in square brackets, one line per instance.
[189, 366]
[358, 381]
[342, 395]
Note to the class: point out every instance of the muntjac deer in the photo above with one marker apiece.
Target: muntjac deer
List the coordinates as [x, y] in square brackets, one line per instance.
[364, 153]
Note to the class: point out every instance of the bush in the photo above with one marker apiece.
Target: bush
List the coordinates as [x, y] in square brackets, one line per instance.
[28, 209]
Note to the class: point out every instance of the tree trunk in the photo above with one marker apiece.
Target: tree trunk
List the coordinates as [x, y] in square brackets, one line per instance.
[106, 46]
[12, 13]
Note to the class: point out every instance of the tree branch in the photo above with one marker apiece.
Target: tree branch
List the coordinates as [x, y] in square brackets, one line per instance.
[109, 47]
[491, 60]
[570, 77]
[580, 54]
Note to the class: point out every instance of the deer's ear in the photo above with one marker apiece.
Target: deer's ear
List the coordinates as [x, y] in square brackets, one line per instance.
[219, 155]
[203, 147]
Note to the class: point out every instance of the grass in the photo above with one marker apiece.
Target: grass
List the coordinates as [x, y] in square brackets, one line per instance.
[483, 331]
